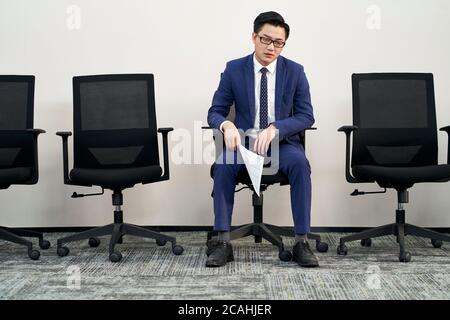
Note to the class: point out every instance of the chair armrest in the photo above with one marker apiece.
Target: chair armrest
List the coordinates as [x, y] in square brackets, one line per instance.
[348, 131]
[218, 139]
[36, 132]
[165, 132]
[63, 133]
[302, 136]
[447, 129]
[65, 136]
[215, 131]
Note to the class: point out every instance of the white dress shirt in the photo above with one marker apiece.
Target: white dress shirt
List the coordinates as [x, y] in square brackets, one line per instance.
[271, 78]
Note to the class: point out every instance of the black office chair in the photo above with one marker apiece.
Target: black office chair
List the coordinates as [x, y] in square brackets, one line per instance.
[115, 147]
[258, 228]
[18, 148]
[395, 145]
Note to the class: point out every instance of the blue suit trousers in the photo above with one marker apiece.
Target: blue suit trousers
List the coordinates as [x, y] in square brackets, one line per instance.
[292, 162]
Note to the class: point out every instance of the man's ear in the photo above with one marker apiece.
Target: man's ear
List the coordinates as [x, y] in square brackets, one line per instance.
[254, 37]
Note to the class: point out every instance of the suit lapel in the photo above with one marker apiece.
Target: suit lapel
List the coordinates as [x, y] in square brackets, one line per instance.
[279, 87]
[250, 85]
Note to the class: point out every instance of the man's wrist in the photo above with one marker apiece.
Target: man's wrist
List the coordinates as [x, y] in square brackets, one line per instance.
[272, 127]
[221, 128]
[228, 125]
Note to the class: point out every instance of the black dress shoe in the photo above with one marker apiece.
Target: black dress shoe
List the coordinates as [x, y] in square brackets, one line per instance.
[303, 255]
[219, 253]
[210, 245]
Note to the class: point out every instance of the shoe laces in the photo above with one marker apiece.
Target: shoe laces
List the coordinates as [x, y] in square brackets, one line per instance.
[306, 246]
[218, 245]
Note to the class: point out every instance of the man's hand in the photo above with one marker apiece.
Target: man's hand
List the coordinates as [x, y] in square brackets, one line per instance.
[264, 139]
[231, 136]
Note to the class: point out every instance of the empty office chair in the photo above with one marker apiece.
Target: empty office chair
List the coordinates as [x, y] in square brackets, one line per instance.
[394, 145]
[258, 228]
[18, 148]
[115, 147]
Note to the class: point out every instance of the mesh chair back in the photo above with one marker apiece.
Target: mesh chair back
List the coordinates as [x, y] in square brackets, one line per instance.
[395, 114]
[16, 115]
[115, 121]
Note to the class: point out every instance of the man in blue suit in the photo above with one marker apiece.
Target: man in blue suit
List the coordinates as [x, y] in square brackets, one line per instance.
[271, 95]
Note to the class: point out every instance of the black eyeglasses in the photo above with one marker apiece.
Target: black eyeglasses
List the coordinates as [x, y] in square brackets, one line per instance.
[268, 41]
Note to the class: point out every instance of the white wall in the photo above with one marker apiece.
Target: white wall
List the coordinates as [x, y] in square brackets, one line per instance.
[186, 44]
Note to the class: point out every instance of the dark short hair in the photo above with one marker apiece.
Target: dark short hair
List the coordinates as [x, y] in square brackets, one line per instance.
[271, 17]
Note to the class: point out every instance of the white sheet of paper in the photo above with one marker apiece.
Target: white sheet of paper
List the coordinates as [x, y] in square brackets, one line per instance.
[254, 164]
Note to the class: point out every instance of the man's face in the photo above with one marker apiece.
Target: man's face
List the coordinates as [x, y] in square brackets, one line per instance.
[267, 53]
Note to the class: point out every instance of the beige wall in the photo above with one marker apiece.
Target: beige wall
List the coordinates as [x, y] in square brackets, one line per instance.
[185, 44]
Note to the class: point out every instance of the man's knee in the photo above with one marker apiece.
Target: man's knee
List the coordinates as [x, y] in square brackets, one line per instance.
[298, 164]
[225, 170]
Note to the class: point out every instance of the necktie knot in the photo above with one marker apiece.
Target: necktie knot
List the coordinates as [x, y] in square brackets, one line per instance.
[264, 70]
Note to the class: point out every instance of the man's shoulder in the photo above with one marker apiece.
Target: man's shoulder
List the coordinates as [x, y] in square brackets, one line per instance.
[239, 63]
[290, 64]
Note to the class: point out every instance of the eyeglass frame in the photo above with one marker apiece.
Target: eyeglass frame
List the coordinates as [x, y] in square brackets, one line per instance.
[271, 41]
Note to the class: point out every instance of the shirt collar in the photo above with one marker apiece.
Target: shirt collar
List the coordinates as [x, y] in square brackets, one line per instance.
[271, 67]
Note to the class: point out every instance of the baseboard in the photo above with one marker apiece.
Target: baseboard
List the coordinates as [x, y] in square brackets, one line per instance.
[209, 228]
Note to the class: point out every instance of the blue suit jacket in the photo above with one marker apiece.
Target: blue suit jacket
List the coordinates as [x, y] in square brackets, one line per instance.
[293, 109]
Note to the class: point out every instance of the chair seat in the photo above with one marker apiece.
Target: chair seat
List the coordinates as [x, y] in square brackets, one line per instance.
[10, 176]
[402, 175]
[115, 178]
[279, 177]
[244, 178]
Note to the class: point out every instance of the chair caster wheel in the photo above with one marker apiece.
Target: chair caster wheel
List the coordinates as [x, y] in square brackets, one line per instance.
[116, 256]
[161, 242]
[322, 246]
[94, 242]
[62, 251]
[285, 255]
[436, 243]
[405, 257]
[366, 242]
[44, 244]
[342, 250]
[34, 254]
[177, 250]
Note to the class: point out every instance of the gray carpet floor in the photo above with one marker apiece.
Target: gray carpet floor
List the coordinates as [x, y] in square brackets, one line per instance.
[151, 272]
